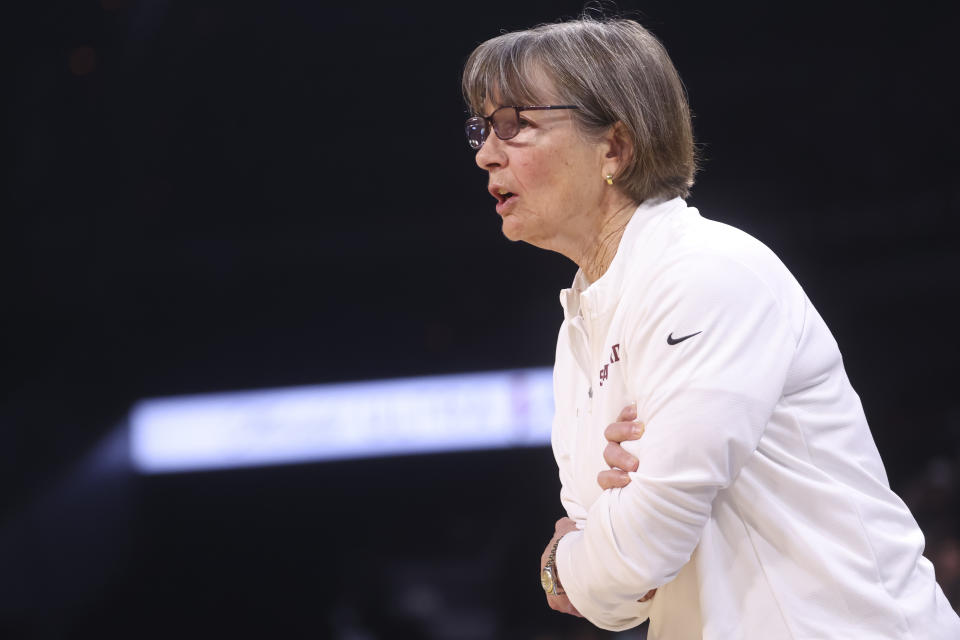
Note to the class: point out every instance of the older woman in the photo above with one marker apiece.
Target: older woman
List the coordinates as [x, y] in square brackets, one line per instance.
[756, 504]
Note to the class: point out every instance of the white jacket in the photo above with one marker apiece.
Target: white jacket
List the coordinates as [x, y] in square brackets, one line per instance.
[761, 508]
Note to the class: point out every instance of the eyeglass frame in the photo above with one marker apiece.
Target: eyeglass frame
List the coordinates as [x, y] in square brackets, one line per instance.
[488, 120]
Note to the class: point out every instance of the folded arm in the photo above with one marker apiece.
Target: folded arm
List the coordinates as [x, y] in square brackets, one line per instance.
[704, 402]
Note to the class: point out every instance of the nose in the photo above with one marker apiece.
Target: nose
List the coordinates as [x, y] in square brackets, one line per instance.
[492, 154]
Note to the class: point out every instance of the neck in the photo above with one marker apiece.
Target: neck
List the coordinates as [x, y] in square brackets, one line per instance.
[598, 253]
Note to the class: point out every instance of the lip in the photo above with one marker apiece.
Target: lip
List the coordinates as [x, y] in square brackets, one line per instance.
[503, 205]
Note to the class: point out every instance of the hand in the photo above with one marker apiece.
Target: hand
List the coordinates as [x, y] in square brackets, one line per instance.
[625, 428]
[559, 603]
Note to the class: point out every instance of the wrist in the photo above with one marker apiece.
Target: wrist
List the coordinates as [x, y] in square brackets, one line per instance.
[549, 577]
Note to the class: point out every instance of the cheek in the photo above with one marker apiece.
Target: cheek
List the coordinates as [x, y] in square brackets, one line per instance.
[556, 179]
[543, 176]
[532, 172]
[565, 190]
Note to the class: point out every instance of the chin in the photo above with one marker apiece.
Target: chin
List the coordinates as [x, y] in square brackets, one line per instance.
[518, 235]
[517, 232]
[512, 230]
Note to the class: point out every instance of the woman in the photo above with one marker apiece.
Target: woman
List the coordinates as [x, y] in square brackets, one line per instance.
[756, 504]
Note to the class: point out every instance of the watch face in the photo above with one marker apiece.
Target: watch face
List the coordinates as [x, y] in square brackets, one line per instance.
[546, 580]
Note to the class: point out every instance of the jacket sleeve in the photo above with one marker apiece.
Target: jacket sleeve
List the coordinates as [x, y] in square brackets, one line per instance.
[705, 402]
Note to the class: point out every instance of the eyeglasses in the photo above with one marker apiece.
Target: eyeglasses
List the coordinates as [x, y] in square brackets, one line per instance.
[505, 122]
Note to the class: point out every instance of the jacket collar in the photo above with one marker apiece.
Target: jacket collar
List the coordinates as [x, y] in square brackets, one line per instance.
[592, 299]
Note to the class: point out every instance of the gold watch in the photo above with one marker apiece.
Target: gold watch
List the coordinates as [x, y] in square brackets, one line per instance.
[549, 579]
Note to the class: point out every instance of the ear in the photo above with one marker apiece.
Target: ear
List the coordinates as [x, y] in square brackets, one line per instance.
[618, 148]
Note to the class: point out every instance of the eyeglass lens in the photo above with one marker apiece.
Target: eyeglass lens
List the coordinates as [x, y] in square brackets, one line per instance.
[476, 128]
[505, 121]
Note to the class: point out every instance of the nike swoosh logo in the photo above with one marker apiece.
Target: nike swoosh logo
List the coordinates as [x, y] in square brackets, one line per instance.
[672, 340]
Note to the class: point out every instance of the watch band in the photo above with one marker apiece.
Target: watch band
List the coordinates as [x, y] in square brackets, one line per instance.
[549, 579]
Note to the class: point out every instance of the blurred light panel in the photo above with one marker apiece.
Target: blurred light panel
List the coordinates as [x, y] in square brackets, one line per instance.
[331, 422]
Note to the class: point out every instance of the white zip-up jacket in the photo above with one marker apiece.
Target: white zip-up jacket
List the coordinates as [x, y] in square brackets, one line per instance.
[761, 508]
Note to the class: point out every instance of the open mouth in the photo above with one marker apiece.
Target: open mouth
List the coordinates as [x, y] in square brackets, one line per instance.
[504, 198]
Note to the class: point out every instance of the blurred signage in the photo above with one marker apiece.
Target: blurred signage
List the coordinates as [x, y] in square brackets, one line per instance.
[353, 420]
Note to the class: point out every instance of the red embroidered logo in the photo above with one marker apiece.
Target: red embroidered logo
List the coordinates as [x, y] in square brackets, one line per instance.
[614, 357]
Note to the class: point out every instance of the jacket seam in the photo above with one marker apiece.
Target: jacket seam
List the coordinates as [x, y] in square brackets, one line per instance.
[856, 509]
[763, 569]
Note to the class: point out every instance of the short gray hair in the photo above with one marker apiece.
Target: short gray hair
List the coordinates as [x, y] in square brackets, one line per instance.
[614, 70]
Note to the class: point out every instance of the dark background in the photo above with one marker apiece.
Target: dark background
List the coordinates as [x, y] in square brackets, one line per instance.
[234, 195]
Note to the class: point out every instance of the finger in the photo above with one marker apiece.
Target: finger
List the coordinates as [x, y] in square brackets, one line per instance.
[618, 457]
[628, 413]
[649, 595]
[613, 479]
[620, 431]
[562, 604]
